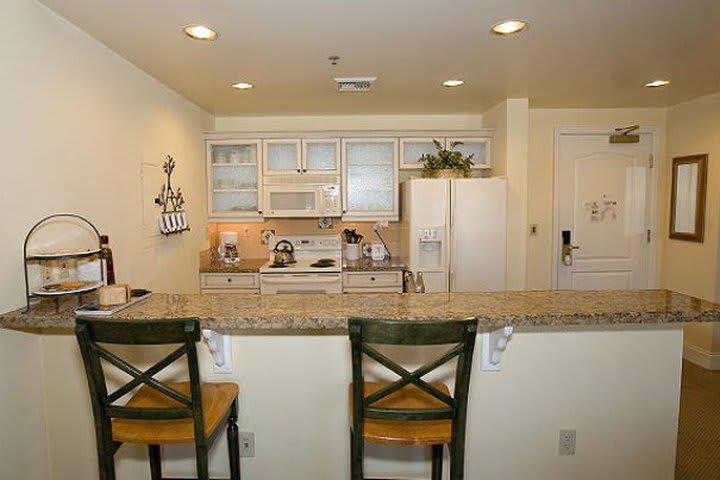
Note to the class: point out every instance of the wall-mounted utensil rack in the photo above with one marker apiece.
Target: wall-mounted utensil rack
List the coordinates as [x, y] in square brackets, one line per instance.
[173, 219]
[82, 288]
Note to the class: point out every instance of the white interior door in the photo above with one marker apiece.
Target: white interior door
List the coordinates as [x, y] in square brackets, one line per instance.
[603, 200]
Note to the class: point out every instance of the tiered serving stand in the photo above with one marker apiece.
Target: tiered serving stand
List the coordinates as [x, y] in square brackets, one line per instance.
[40, 258]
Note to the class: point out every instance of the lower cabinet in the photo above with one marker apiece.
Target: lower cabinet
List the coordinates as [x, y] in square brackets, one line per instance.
[229, 283]
[372, 282]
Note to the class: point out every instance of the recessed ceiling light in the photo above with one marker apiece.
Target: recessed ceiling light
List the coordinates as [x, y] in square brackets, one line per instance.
[508, 27]
[453, 83]
[657, 83]
[200, 32]
[243, 85]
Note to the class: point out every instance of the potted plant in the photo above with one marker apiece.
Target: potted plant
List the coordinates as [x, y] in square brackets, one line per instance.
[447, 163]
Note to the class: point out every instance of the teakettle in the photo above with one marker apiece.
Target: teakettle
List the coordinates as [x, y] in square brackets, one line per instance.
[284, 253]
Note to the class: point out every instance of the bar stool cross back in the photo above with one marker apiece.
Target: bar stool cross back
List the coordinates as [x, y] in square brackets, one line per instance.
[157, 413]
[410, 411]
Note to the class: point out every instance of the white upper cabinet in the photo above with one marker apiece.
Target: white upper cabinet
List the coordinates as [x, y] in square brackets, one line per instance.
[281, 157]
[234, 185]
[370, 178]
[243, 171]
[297, 157]
[321, 156]
[412, 150]
[479, 147]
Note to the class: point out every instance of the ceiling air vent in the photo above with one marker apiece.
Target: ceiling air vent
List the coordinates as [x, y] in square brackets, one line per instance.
[355, 84]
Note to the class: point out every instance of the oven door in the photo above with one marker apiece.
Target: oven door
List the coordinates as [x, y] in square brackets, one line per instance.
[271, 284]
[292, 201]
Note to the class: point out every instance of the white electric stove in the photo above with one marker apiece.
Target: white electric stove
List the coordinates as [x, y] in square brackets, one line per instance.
[318, 266]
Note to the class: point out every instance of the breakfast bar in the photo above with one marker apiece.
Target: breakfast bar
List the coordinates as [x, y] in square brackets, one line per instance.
[604, 364]
[305, 313]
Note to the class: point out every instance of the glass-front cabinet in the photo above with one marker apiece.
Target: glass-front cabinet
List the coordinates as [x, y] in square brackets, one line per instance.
[234, 185]
[412, 150]
[297, 157]
[282, 157]
[246, 176]
[370, 178]
[479, 147]
[321, 156]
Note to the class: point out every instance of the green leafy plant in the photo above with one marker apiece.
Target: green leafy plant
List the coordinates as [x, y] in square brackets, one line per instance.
[446, 159]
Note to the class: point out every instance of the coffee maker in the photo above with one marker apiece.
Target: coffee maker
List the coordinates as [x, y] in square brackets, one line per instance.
[228, 248]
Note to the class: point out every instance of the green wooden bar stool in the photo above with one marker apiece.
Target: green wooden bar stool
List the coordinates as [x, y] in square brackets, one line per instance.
[410, 411]
[157, 413]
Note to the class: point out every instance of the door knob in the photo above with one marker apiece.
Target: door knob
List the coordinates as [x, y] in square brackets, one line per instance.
[567, 248]
[567, 253]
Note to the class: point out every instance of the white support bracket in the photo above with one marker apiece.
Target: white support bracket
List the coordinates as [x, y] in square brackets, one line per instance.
[493, 344]
[220, 346]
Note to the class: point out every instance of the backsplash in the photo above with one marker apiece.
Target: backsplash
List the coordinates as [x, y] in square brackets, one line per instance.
[249, 245]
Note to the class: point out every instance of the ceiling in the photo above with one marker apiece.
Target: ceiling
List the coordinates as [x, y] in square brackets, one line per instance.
[578, 53]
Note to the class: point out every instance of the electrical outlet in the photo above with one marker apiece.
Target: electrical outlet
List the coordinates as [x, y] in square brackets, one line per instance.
[566, 444]
[380, 225]
[533, 229]
[247, 444]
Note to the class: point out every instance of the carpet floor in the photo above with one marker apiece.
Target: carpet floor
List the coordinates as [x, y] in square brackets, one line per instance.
[698, 450]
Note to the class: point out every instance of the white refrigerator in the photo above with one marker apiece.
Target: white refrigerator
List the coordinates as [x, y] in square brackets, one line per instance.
[454, 231]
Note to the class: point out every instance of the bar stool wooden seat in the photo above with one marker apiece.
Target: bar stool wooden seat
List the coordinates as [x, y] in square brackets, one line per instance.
[410, 411]
[157, 413]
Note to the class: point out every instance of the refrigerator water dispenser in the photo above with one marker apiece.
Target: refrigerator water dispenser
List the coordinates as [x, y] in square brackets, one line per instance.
[430, 249]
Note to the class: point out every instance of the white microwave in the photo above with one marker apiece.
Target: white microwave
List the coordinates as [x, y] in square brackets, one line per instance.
[298, 200]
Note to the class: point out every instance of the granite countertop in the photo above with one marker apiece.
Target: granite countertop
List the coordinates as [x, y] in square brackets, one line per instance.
[367, 264]
[209, 263]
[330, 312]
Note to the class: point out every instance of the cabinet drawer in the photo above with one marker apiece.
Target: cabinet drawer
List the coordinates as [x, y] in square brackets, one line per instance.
[229, 280]
[242, 291]
[393, 289]
[373, 279]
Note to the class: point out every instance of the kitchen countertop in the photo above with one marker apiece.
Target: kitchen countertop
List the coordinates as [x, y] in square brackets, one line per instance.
[209, 263]
[367, 264]
[330, 312]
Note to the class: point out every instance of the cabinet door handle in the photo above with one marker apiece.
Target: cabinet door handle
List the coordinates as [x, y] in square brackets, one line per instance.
[304, 170]
[372, 279]
[229, 280]
[298, 170]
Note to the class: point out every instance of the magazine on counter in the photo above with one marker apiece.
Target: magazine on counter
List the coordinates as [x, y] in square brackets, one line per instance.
[95, 309]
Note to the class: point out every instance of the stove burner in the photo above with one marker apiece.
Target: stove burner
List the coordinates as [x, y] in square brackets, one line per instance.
[324, 263]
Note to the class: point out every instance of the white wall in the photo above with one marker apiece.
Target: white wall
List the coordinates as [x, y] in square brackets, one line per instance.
[77, 121]
[510, 157]
[350, 122]
[618, 388]
[690, 267]
[23, 433]
[83, 119]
